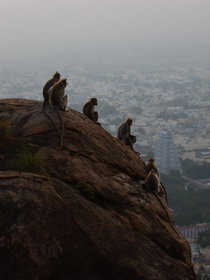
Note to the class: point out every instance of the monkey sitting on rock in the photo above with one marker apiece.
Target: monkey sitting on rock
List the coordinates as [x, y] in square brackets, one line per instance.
[56, 77]
[57, 97]
[58, 100]
[152, 182]
[89, 110]
[151, 165]
[124, 134]
[152, 185]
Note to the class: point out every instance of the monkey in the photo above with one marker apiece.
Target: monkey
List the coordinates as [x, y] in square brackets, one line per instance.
[124, 134]
[152, 182]
[89, 110]
[56, 77]
[58, 100]
[152, 185]
[151, 165]
[46, 88]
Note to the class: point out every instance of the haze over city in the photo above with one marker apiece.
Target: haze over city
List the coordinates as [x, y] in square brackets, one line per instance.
[52, 27]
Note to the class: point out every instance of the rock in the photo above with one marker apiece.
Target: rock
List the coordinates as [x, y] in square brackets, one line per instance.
[89, 219]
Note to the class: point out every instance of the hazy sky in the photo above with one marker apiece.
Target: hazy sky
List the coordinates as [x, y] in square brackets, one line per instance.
[42, 26]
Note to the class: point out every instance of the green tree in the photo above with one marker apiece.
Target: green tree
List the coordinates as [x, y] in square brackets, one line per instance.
[196, 170]
[190, 206]
[204, 239]
[199, 277]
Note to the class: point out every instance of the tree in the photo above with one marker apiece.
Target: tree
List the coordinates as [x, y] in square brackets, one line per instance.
[199, 277]
[204, 239]
[190, 206]
[195, 170]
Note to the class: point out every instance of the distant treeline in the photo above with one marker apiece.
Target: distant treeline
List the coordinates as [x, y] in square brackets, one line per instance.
[195, 170]
[190, 206]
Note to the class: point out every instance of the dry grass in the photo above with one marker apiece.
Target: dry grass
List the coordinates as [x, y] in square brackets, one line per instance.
[27, 161]
[6, 133]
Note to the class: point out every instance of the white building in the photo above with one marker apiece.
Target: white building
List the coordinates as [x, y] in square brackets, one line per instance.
[166, 157]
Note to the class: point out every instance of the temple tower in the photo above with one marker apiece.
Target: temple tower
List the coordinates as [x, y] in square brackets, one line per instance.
[166, 157]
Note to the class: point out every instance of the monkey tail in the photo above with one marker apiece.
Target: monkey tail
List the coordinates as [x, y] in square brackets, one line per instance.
[172, 226]
[52, 121]
[165, 192]
[62, 127]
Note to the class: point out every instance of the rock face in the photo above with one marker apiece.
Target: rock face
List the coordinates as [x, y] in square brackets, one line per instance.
[89, 219]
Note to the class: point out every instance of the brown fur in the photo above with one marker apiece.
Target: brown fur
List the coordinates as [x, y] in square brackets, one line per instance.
[89, 109]
[152, 185]
[152, 182]
[151, 165]
[47, 86]
[57, 95]
[58, 101]
[124, 130]
[124, 134]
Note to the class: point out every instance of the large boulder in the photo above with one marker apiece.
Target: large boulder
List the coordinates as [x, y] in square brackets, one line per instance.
[89, 218]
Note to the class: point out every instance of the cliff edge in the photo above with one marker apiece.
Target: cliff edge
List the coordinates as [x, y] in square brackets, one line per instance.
[87, 218]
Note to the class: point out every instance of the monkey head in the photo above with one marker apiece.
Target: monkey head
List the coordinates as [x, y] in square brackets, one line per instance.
[64, 82]
[94, 101]
[129, 121]
[57, 75]
[151, 160]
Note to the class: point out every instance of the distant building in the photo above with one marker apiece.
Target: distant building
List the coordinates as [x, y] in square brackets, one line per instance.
[166, 157]
[191, 232]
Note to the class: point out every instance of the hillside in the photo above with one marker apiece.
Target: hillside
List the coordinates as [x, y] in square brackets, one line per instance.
[88, 218]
